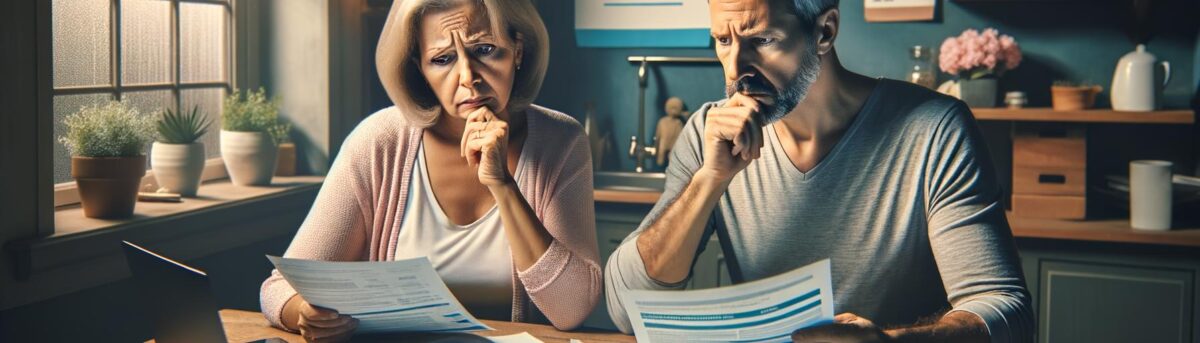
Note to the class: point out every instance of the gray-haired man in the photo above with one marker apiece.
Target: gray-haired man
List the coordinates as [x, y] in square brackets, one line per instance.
[806, 160]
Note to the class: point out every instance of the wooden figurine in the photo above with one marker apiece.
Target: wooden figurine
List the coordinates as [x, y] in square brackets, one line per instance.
[669, 127]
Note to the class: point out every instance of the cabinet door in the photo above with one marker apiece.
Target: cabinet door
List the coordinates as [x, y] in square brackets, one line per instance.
[706, 272]
[1092, 302]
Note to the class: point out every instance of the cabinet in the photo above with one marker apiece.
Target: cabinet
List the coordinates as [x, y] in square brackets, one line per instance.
[1111, 293]
[616, 221]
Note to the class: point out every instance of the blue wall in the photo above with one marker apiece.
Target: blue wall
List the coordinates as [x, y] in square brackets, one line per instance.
[1079, 41]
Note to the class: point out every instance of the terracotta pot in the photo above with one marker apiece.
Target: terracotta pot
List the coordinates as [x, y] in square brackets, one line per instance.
[108, 186]
[177, 167]
[1066, 98]
[249, 157]
[286, 164]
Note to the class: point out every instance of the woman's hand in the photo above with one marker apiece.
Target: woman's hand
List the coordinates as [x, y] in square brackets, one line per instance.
[323, 325]
[485, 146]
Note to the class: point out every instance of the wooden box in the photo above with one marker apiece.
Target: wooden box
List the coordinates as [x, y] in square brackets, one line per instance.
[1049, 171]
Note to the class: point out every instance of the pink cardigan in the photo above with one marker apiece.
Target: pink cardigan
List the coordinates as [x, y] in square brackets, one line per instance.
[358, 212]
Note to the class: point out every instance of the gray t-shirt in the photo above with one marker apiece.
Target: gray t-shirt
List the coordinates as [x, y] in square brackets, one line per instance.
[906, 205]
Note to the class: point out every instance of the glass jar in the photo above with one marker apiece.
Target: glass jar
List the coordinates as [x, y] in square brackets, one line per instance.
[921, 72]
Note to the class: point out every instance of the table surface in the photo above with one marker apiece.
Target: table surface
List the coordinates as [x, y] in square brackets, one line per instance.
[246, 326]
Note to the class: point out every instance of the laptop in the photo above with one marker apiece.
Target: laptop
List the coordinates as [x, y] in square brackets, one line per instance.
[176, 296]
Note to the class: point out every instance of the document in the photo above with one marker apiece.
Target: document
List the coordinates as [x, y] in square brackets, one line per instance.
[386, 296]
[523, 337]
[766, 310]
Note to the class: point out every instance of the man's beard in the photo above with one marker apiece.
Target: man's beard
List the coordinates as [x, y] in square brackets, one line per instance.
[786, 99]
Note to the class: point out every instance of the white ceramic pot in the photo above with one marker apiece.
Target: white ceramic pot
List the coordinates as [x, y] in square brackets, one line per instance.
[1135, 86]
[249, 157]
[177, 167]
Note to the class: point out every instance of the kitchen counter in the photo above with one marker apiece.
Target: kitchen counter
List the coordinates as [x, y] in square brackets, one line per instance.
[1108, 230]
[626, 197]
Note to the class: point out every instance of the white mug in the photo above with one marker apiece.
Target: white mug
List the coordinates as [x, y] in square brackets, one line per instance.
[1150, 195]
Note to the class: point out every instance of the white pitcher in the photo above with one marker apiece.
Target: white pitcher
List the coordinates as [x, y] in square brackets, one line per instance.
[1133, 85]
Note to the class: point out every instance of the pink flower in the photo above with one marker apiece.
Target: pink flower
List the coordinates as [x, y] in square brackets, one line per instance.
[974, 50]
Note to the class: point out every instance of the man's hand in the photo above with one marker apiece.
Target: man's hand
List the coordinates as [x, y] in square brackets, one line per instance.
[846, 328]
[732, 137]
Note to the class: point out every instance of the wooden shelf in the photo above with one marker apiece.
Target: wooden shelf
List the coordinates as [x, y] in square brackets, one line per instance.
[1185, 117]
[626, 197]
[1110, 230]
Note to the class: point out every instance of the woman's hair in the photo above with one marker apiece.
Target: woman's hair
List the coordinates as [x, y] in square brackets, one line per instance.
[396, 57]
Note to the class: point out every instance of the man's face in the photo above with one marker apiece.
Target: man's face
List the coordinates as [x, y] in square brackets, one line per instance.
[765, 52]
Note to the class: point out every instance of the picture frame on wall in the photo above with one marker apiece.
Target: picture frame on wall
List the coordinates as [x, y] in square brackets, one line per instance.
[642, 24]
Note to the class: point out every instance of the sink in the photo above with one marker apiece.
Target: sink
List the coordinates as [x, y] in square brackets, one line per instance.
[629, 181]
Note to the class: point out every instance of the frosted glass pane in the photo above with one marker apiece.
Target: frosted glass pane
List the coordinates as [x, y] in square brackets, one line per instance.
[65, 105]
[145, 41]
[209, 101]
[150, 102]
[202, 42]
[81, 42]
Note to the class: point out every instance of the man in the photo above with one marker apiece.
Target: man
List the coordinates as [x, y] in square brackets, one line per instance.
[806, 160]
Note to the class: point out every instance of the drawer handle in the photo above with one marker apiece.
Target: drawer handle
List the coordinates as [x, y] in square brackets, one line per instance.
[1052, 178]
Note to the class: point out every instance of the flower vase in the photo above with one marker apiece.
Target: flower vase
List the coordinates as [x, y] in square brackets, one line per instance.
[979, 93]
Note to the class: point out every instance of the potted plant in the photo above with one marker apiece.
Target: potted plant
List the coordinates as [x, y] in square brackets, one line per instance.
[107, 144]
[176, 158]
[977, 59]
[250, 135]
[1069, 96]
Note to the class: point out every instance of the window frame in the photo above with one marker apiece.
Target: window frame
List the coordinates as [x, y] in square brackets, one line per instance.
[66, 193]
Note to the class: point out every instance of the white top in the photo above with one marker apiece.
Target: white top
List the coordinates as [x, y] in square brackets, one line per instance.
[474, 259]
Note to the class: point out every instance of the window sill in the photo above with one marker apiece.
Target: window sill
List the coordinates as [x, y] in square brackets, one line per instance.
[85, 252]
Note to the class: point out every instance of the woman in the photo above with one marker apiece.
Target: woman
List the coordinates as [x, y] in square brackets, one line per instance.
[463, 169]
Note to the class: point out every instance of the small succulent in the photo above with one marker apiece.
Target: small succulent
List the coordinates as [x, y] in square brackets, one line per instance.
[253, 112]
[180, 128]
[113, 129]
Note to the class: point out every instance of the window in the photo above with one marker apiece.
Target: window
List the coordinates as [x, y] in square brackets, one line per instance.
[155, 54]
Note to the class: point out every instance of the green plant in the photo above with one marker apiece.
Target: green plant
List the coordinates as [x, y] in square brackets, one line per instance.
[253, 112]
[113, 129]
[180, 128]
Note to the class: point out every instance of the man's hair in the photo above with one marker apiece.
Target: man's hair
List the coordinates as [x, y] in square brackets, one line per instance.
[809, 10]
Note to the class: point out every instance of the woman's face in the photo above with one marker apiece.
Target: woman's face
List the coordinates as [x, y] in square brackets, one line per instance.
[466, 65]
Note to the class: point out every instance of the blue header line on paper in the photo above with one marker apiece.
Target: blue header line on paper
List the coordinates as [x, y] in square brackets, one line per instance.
[722, 300]
[397, 310]
[802, 309]
[655, 38]
[472, 328]
[728, 316]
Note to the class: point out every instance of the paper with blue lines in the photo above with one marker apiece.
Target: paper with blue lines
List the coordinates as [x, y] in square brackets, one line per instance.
[642, 23]
[766, 310]
[385, 296]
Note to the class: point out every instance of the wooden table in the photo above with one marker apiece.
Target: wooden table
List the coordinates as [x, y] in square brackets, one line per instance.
[245, 326]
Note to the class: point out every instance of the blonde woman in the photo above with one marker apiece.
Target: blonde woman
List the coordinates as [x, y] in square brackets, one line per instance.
[497, 192]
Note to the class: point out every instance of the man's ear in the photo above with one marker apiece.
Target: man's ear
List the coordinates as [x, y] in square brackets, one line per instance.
[827, 30]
